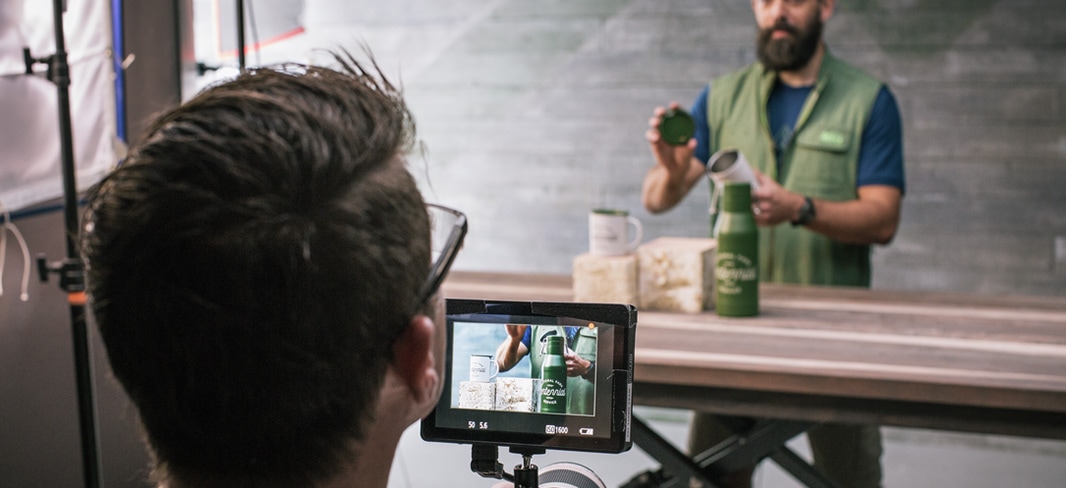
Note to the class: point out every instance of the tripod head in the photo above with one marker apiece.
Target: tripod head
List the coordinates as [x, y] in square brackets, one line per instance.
[526, 475]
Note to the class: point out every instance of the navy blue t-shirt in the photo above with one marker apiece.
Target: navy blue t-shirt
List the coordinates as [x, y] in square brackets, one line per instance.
[881, 154]
[571, 332]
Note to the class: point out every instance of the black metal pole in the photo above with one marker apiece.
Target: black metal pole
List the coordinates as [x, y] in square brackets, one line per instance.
[680, 467]
[72, 280]
[240, 34]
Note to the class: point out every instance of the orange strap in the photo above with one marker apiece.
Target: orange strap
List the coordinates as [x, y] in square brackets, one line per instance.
[77, 298]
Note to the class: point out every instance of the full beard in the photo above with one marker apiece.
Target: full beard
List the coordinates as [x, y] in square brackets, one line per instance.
[790, 53]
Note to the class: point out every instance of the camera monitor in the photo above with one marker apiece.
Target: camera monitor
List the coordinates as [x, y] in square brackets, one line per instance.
[553, 375]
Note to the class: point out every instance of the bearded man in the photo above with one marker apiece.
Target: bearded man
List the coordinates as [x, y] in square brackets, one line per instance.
[825, 140]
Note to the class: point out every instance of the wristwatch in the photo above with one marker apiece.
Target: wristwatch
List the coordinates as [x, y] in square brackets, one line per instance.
[806, 214]
[590, 373]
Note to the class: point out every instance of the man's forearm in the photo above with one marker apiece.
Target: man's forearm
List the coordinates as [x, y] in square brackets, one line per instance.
[871, 219]
[663, 190]
[507, 355]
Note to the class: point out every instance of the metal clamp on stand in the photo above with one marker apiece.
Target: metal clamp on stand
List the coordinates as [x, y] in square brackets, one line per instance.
[485, 462]
[70, 271]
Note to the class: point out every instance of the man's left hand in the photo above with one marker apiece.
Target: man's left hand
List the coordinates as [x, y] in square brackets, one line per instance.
[772, 203]
[576, 365]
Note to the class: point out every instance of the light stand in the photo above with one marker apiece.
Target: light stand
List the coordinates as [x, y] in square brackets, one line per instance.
[70, 270]
[202, 68]
[240, 35]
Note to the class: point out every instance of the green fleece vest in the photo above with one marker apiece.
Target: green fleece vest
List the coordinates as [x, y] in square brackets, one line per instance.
[820, 162]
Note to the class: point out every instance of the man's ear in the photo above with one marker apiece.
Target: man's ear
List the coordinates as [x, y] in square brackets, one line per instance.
[412, 358]
[827, 8]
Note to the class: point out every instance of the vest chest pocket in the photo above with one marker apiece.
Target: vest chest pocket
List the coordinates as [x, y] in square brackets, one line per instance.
[822, 163]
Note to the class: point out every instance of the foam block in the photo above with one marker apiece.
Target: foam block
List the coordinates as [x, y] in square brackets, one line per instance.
[677, 274]
[516, 394]
[605, 279]
[477, 395]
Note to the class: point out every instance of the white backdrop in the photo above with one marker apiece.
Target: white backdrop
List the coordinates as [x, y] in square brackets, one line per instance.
[29, 120]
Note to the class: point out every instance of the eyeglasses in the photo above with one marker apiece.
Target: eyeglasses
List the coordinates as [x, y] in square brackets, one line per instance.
[447, 230]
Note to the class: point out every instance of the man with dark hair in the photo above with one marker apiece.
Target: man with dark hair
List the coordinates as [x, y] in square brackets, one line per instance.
[258, 272]
[825, 140]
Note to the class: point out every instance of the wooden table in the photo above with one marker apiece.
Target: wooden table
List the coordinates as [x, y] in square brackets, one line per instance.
[976, 363]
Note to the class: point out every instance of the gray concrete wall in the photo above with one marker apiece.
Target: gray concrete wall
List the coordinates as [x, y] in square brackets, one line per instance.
[533, 112]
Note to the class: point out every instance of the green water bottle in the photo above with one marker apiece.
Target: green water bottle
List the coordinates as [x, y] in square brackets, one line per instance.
[736, 270]
[553, 377]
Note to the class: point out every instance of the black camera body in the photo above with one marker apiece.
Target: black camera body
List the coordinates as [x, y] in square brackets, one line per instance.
[526, 405]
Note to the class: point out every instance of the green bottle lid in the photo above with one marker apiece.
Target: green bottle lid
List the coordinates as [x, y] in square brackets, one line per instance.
[556, 345]
[676, 127]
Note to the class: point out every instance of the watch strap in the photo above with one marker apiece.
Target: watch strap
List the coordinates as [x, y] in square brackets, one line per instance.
[806, 213]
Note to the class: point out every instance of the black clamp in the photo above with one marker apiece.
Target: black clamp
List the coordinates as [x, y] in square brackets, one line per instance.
[71, 273]
[58, 70]
[485, 461]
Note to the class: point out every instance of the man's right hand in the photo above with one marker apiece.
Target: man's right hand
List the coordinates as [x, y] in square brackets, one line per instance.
[675, 170]
[511, 350]
[673, 159]
[516, 331]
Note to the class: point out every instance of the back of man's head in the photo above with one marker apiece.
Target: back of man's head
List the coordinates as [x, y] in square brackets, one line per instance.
[249, 267]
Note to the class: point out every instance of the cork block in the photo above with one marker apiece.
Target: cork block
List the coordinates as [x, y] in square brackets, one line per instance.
[677, 274]
[605, 279]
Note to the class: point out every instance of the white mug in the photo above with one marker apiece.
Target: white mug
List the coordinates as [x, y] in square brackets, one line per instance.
[730, 165]
[483, 368]
[609, 232]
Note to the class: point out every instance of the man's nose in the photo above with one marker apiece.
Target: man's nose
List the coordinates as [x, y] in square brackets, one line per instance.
[776, 10]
